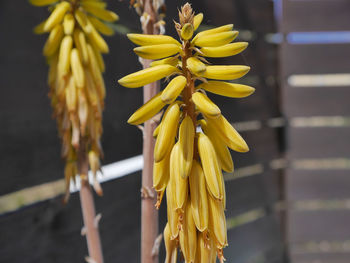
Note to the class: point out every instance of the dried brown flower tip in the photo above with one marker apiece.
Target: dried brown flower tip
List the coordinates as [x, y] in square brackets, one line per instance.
[186, 15]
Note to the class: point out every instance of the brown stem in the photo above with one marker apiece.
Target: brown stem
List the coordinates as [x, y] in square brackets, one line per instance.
[188, 91]
[88, 209]
[149, 215]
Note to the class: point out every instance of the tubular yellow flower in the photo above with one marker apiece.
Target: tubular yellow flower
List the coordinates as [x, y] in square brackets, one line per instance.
[53, 42]
[187, 31]
[173, 89]
[170, 246]
[205, 105]
[147, 111]
[167, 132]
[227, 89]
[195, 191]
[73, 51]
[157, 51]
[199, 197]
[214, 40]
[146, 76]
[146, 40]
[228, 134]
[173, 61]
[225, 50]
[225, 72]
[196, 66]
[188, 236]
[211, 166]
[68, 24]
[223, 153]
[180, 183]
[57, 15]
[197, 20]
[186, 140]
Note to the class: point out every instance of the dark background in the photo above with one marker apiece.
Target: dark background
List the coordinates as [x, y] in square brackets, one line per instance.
[259, 224]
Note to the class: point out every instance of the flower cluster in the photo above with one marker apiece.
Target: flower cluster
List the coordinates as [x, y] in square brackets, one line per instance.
[193, 138]
[74, 53]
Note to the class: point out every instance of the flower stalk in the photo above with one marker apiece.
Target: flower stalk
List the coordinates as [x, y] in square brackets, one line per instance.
[152, 24]
[74, 51]
[193, 138]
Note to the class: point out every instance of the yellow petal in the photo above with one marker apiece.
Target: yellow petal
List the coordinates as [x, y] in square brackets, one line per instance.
[83, 21]
[53, 41]
[211, 166]
[217, 222]
[173, 216]
[71, 95]
[173, 89]
[188, 236]
[181, 184]
[94, 66]
[156, 131]
[173, 61]
[157, 51]
[214, 40]
[98, 41]
[225, 50]
[80, 44]
[68, 24]
[101, 13]
[205, 105]
[57, 15]
[146, 76]
[215, 30]
[187, 31]
[64, 55]
[77, 68]
[186, 144]
[223, 153]
[227, 89]
[167, 132]
[147, 111]
[145, 40]
[225, 72]
[196, 66]
[199, 199]
[170, 246]
[161, 174]
[94, 161]
[197, 20]
[39, 29]
[228, 134]
[100, 26]
[42, 2]
[99, 58]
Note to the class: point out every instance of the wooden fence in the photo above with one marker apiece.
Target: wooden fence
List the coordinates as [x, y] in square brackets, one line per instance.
[314, 62]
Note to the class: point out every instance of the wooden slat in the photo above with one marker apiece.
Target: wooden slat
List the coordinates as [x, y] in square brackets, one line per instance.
[317, 184]
[53, 230]
[252, 192]
[321, 258]
[318, 142]
[315, 59]
[323, 101]
[259, 241]
[316, 15]
[331, 225]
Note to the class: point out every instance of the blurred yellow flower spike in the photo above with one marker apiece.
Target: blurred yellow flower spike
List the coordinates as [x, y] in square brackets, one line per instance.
[77, 91]
[193, 138]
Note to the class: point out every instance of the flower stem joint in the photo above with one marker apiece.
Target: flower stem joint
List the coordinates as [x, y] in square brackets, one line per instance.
[189, 164]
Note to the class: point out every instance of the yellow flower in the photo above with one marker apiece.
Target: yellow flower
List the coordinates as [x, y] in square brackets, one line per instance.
[73, 51]
[188, 164]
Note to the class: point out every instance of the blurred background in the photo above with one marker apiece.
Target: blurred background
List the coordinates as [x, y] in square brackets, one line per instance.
[289, 198]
